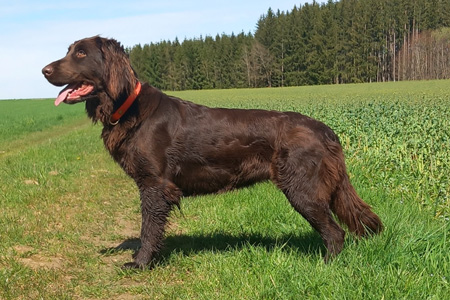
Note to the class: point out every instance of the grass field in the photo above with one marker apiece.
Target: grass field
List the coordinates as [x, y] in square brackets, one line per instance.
[70, 218]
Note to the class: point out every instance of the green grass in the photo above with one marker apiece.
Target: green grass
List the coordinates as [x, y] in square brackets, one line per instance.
[66, 207]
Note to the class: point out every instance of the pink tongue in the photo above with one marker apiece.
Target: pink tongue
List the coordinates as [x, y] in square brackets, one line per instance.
[63, 95]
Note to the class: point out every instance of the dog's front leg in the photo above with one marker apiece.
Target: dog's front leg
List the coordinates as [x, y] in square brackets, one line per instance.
[155, 207]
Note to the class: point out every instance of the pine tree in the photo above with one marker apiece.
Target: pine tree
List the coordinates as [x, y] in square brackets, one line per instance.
[335, 42]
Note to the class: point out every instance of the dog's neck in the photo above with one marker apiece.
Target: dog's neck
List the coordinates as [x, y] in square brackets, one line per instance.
[104, 107]
[115, 117]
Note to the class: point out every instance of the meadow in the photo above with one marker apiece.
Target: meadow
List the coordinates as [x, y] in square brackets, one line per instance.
[70, 217]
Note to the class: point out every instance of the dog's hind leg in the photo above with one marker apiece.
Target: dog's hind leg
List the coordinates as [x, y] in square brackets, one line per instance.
[156, 204]
[320, 218]
[300, 180]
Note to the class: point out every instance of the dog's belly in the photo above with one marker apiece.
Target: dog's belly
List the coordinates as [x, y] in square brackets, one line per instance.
[195, 180]
[223, 169]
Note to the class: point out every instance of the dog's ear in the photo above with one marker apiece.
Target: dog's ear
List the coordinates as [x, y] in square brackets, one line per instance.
[118, 75]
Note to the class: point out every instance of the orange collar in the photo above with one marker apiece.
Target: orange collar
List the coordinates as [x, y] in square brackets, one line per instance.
[115, 117]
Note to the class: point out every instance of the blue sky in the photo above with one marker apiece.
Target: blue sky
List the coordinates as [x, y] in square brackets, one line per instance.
[34, 33]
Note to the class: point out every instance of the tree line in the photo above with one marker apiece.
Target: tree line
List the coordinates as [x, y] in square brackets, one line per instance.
[346, 41]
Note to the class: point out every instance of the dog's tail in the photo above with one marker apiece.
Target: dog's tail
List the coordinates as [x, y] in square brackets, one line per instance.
[344, 201]
[352, 211]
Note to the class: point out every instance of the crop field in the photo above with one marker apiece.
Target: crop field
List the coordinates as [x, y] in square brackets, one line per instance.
[70, 217]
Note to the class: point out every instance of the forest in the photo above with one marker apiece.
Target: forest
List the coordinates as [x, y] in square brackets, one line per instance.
[337, 42]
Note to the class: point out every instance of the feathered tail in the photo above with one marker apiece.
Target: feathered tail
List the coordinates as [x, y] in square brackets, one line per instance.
[352, 211]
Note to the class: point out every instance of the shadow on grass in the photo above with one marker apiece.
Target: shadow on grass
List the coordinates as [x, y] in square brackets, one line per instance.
[309, 243]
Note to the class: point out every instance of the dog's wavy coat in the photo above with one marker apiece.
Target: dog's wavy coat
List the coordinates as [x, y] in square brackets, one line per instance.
[172, 148]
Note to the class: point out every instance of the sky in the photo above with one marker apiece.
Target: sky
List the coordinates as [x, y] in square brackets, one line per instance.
[34, 33]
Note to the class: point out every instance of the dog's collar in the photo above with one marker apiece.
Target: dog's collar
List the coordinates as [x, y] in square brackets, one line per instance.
[115, 117]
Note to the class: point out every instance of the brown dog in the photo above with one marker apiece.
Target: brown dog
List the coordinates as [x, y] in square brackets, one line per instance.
[172, 147]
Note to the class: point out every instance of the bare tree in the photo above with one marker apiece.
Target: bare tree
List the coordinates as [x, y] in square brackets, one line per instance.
[426, 56]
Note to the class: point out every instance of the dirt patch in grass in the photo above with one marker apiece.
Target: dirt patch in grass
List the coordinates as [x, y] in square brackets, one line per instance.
[128, 227]
[22, 249]
[38, 261]
[126, 297]
[117, 259]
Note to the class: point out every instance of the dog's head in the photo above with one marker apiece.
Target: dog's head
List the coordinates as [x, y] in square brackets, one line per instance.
[93, 68]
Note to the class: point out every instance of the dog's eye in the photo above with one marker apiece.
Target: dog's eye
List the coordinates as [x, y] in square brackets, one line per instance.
[81, 54]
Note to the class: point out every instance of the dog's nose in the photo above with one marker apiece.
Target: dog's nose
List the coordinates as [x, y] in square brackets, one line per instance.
[47, 71]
